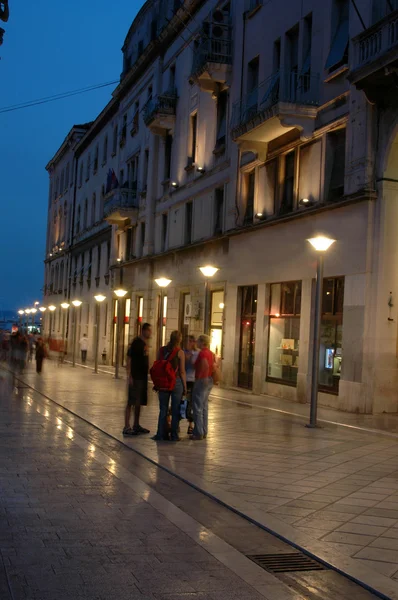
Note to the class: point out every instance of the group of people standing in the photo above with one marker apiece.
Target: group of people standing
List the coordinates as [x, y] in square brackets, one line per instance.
[177, 374]
[19, 348]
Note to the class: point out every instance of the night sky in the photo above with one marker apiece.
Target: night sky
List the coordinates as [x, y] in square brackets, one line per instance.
[49, 47]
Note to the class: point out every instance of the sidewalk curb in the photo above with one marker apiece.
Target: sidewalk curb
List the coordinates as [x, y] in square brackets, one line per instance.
[347, 568]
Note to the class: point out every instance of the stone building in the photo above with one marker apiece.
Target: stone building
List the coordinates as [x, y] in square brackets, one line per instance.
[238, 131]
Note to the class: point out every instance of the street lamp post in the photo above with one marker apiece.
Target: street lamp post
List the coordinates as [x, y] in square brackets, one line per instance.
[120, 294]
[321, 244]
[208, 272]
[51, 308]
[27, 313]
[21, 314]
[163, 283]
[65, 307]
[76, 305]
[33, 313]
[42, 309]
[99, 298]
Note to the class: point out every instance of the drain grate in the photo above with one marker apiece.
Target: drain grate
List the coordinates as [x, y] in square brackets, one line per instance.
[286, 563]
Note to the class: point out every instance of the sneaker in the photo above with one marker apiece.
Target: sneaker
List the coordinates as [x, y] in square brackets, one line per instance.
[140, 429]
[129, 431]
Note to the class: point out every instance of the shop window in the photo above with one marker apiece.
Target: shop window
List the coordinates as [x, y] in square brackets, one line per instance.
[284, 332]
[330, 353]
[248, 300]
[140, 315]
[216, 321]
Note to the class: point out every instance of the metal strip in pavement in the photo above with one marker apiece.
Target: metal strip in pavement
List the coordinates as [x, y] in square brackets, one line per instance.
[369, 579]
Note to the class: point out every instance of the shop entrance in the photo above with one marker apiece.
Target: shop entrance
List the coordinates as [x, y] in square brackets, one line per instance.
[248, 303]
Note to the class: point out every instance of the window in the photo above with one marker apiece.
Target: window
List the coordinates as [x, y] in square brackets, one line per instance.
[136, 118]
[172, 78]
[310, 173]
[287, 203]
[222, 101]
[121, 178]
[307, 47]
[252, 87]
[98, 261]
[338, 55]
[105, 151]
[96, 159]
[140, 315]
[67, 176]
[164, 233]
[277, 56]
[267, 176]
[140, 48]
[168, 146]
[218, 210]
[115, 136]
[142, 238]
[78, 217]
[124, 131]
[93, 209]
[216, 321]
[188, 223]
[284, 332]
[330, 352]
[150, 92]
[130, 243]
[250, 182]
[81, 174]
[88, 166]
[85, 214]
[146, 166]
[193, 137]
[154, 30]
[106, 320]
[133, 173]
[335, 165]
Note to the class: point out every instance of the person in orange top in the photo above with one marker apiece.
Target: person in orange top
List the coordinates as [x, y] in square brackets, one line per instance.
[201, 390]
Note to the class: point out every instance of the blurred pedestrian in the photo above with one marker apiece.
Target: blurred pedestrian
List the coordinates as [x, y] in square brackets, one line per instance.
[169, 378]
[84, 347]
[137, 373]
[201, 390]
[191, 355]
[41, 354]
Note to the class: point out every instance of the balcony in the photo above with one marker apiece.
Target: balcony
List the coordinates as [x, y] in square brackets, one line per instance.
[160, 113]
[375, 59]
[212, 62]
[279, 104]
[121, 207]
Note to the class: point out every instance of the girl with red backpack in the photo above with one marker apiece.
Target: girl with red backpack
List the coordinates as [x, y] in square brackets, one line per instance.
[169, 380]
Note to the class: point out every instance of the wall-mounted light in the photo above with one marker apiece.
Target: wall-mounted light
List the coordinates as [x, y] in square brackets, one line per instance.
[305, 202]
[201, 170]
[119, 260]
[163, 282]
[174, 184]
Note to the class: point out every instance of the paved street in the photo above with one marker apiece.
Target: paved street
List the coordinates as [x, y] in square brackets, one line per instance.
[332, 491]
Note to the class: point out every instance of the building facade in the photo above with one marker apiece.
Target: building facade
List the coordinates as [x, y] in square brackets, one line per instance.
[238, 131]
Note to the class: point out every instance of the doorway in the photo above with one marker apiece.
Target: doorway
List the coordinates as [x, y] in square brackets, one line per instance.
[248, 303]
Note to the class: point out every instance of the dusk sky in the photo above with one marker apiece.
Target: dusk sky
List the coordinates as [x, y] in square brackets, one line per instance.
[49, 48]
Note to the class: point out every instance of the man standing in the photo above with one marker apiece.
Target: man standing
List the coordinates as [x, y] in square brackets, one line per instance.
[84, 347]
[137, 369]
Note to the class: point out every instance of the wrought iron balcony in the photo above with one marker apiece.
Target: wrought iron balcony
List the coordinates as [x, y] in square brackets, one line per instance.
[121, 207]
[280, 103]
[212, 61]
[160, 112]
[375, 58]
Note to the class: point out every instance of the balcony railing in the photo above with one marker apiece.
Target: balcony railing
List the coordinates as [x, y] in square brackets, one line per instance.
[294, 88]
[120, 200]
[375, 41]
[213, 50]
[162, 105]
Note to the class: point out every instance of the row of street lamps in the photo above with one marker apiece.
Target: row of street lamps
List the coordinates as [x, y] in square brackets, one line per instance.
[320, 244]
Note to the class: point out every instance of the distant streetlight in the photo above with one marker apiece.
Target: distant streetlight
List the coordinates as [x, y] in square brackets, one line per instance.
[21, 314]
[120, 294]
[42, 309]
[321, 244]
[65, 307]
[99, 298]
[163, 283]
[208, 271]
[76, 305]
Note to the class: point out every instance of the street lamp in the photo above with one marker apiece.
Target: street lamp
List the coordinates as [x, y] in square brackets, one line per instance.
[33, 312]
[76, 305]
[51, 308]
[208, 271]
[99, 298]
[321, 244]
[163, 283]
[21, 314]
[120, 294]
[65, 307]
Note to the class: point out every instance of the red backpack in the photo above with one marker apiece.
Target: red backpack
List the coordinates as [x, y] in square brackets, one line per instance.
[163, 375]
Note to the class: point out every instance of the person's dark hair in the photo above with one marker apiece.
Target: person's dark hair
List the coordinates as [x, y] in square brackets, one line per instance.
[175, 339]
[146, 326]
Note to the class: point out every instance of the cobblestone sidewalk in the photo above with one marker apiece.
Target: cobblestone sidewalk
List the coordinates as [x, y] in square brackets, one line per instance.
[333, 491]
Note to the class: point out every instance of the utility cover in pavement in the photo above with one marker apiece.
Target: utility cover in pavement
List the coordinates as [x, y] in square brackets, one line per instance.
[285, 563]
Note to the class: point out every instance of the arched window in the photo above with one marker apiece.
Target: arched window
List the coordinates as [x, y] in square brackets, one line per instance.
[93, 209]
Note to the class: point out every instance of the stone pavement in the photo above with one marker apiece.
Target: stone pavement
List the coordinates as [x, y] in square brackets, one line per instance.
[76, 523]
[331, 491]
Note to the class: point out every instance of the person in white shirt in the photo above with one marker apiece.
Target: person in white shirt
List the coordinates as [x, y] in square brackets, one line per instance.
[84, 347]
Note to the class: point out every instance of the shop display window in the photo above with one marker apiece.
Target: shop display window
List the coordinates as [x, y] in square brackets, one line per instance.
[284, 332]
[216, 321]
[330, 352]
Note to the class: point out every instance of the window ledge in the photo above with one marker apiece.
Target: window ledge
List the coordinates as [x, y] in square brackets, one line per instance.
[190, 167]
[336, 73]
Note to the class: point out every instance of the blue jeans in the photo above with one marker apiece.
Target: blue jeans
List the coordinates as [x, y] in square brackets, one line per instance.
[200, 400]
[164, 399]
